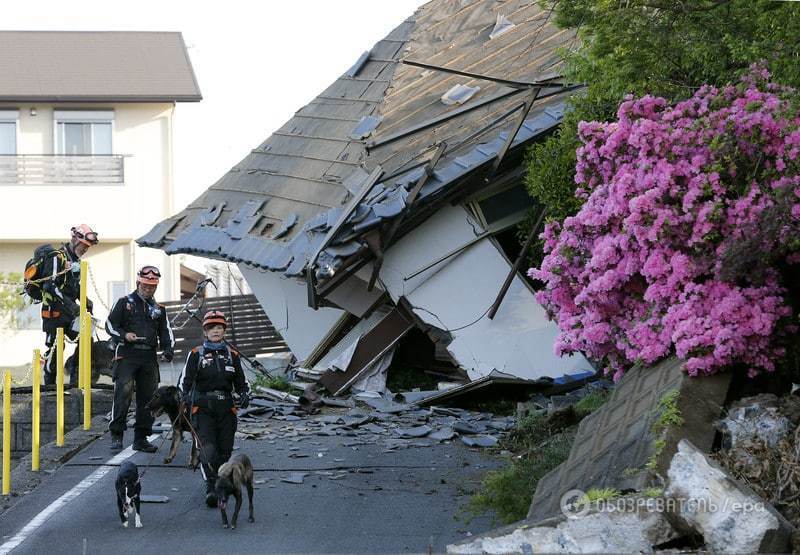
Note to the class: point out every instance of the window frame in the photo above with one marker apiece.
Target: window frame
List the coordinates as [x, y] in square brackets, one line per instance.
[84, 117]
[11, 115]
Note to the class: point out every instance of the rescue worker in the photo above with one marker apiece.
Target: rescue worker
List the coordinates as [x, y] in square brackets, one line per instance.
[60, 297]
[212, 371]
[138, 325]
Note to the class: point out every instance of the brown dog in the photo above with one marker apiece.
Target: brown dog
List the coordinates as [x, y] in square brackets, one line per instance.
[167, 399]
[231, 476]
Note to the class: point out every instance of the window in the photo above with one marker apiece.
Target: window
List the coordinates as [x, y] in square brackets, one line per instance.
[499, 210]
[116, 289]
[8, 131]
[83, 132]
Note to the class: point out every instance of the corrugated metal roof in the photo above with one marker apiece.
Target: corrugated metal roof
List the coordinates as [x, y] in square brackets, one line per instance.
[94, 66]
[316, 162]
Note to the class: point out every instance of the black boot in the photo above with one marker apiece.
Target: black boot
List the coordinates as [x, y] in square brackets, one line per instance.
[116, 442]
[144, 446]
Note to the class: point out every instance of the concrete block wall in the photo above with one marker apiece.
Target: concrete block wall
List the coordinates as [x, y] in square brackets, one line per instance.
[22, 417]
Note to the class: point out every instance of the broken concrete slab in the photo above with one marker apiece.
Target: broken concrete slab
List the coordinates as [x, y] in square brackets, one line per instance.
[466, 428]
[414, 396]
[294, 478]
[635, 531]
[418, 431]
[479, 441]
[443, 434]
[731, 518]
[154, 498]
[615, 445]
[383, 405]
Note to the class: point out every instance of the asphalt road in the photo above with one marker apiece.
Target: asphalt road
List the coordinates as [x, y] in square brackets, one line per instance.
[356, 498]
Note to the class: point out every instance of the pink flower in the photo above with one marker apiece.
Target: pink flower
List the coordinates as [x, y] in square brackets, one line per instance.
[634, 276]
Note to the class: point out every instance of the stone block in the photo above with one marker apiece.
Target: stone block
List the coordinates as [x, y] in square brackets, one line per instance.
[634, 531]
[728, 514]
[614, 444]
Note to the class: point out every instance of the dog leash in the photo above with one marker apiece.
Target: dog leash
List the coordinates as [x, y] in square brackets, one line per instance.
[163, 440]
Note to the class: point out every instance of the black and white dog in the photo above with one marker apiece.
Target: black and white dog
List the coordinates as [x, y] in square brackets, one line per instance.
[128, 492]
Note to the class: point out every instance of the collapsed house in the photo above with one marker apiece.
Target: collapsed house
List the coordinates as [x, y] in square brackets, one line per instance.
[387, 207]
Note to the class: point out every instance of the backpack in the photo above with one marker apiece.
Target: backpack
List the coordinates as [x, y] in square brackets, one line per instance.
[36, 269]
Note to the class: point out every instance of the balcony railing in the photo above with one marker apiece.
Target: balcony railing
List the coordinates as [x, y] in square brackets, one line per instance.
[45, 169]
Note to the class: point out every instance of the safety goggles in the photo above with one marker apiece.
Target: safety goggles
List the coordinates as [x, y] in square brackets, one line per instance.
[149, 275]
[89, 238]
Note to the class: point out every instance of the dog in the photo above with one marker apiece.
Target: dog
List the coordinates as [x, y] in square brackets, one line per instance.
[231, 476]
[129, 490]
[167, 399]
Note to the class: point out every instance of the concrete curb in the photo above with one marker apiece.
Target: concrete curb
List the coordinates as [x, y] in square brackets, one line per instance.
[51, 457]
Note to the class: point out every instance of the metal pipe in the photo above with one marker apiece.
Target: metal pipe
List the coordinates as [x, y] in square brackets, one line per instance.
[278, 395]
[440, 119]
[511, 136]
[60, 387]
[82, 336]
[500, 80]
[515, 267]
[463, 110]
[37, 396]
[453, 252]
[7, 433]
[87, 391]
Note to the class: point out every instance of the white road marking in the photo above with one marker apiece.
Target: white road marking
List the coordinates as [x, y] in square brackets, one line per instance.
[62, 501]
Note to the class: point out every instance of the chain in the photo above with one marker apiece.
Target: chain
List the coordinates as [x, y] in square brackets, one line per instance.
[20, 283]
[25, 380]
[97, 291]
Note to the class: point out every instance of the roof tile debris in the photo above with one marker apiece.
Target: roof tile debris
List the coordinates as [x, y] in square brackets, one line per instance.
[459, 94]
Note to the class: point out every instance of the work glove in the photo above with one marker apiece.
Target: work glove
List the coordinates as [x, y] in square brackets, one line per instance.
[244, 401]
[167, 356]
[187, 399]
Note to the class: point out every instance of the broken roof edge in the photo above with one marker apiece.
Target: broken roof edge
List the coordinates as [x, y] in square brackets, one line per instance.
[292, 258]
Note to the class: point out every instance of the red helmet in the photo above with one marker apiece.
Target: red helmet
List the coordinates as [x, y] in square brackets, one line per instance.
[84, 234]
[214, 317]
[149, 275]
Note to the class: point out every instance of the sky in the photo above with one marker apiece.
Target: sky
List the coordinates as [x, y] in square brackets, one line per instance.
[256, 62]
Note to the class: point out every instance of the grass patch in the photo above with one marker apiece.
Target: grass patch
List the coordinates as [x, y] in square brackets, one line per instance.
[273, 382]
[508, 492]
[668, 415]
[601, 494]
[592, 402]
[541, 442]
[652, 492]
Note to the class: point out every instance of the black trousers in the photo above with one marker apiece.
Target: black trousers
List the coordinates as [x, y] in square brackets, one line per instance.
[215, 423]
[70, 365]
[137, 372]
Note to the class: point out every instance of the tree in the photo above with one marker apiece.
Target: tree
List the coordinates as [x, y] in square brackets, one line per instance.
[665, 48]
[688, 241]
[11, 302]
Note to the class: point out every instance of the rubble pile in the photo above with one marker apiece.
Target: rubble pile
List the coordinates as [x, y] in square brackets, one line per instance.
[761, 447]
[378, 421]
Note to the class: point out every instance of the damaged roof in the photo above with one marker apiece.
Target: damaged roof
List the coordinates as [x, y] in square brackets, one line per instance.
[345, 163]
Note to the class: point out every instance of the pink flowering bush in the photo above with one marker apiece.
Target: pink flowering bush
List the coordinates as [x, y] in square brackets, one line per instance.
[688, 235]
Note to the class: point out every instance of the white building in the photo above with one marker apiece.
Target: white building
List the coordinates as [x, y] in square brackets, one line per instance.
[86, 131]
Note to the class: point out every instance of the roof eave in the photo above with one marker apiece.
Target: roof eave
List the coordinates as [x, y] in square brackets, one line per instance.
[103, 98]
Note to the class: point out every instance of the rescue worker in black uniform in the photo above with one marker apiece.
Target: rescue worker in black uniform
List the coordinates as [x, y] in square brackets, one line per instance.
[60, 297]
[139, 325]
[212, 371]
